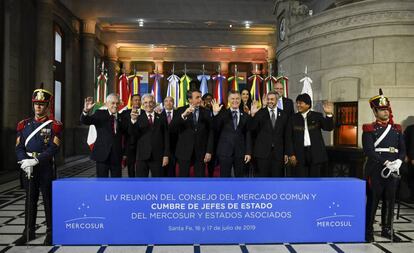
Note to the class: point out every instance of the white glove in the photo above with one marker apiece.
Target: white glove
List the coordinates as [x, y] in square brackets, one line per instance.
[28, 171]
[395, 165]
[29, 163]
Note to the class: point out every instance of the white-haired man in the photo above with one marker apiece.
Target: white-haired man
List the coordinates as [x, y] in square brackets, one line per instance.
[107, 150]
[151, 131]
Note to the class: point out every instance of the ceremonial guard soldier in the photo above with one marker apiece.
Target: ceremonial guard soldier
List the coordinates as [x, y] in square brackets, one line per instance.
[38, 140]
[384, 146]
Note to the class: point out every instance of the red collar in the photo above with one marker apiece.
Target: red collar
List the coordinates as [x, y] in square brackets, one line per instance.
[381, 123]
[42, 119]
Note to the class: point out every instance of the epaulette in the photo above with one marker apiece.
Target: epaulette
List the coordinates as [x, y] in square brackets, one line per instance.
[398, 127]
[57, 127]
[21, 124]
[368, 127]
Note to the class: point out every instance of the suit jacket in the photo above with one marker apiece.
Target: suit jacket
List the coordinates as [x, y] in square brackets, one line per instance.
[288, 106]
[130, 141]
[173, 135]
[106, 142]
[268, 137]
[316, 122]
[409, 141]
[232, 142]
[191, 137]
[152, 140]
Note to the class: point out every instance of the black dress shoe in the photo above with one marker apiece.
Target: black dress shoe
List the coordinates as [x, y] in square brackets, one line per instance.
[369, 238]
[23, 240]
[386, 233]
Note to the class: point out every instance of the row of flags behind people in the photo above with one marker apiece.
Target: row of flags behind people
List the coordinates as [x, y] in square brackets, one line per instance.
[177, 87]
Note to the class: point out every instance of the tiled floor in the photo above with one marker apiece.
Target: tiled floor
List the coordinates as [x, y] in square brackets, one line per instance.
[12, 224]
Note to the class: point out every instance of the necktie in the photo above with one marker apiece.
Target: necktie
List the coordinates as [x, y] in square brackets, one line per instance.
[113, 124]
[235, 120]
[195, 116]
[279, 104]
[169, 117]
[150, 119]
[273, 117]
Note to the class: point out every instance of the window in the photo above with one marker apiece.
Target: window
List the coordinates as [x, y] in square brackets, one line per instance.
[58, 47]
[346, 128]
[59, 71]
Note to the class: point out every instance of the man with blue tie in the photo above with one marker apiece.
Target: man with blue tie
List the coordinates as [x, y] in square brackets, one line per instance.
[283, 103]
[234, 143]
[195, 135]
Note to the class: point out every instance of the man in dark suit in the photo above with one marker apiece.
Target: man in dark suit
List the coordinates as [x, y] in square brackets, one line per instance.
[272, 144]
[308, 145]
[151, 131]
[283, 103]
[107, 150]
[195, 135]
[207, 103]
[130, 142]
[234, 142]
[169, 113]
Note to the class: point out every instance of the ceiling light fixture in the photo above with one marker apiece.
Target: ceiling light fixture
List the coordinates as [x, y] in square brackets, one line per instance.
[230, 26]
[140, 22]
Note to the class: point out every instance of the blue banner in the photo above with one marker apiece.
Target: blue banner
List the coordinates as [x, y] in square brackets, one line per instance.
[207, 211]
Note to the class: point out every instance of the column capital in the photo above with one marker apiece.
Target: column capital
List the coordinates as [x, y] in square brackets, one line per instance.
[76, 25]
[224, 67]
[113, 52]
[159, 66]
[88, 26]
[271, 53]
[126, 65]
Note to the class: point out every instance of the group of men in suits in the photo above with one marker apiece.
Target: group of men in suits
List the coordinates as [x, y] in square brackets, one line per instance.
[271, 135]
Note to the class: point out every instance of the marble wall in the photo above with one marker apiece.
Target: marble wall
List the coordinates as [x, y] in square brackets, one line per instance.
[351, 51]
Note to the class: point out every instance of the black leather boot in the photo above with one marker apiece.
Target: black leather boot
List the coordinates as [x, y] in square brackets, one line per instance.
[387, 219]
[369, 237]
[24, 239]
[48, 240]
[386, 233]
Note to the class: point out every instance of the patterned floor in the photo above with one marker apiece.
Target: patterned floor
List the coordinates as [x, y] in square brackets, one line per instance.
[12, 224]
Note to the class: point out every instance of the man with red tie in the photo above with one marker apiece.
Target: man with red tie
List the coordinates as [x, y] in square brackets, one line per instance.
[151, 131]
[107, 151]
[169, 113]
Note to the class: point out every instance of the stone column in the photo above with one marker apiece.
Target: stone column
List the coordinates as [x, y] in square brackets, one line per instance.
[224, 68]
[87, 55]
[256, 68]
[271, 56]
[112, 67]
[44, 45]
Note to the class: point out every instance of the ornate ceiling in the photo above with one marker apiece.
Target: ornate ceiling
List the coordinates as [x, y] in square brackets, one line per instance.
[198, 28]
